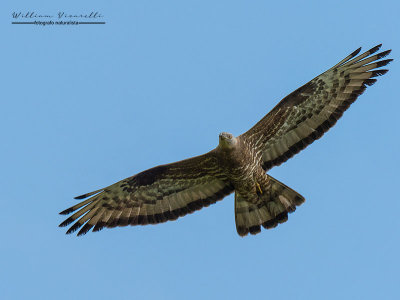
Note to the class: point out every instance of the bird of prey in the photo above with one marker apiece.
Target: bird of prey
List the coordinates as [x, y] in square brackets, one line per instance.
[237, 164]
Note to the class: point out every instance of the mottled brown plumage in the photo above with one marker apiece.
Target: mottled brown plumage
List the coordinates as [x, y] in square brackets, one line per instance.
[238, 164]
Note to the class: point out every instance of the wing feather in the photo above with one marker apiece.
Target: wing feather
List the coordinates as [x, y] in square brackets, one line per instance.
[311, 110]
[154, 196]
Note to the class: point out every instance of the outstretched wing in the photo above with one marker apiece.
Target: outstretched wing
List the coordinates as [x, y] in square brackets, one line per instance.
[154, 196]
[307, 113]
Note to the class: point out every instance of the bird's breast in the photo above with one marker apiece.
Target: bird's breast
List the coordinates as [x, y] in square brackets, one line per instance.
[240, 164]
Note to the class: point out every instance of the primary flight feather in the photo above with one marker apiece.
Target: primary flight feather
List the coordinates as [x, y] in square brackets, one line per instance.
[237, 164]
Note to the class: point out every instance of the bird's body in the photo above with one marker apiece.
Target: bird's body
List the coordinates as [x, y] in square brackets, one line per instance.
[259, 198]
[237, 164]
[242, 164]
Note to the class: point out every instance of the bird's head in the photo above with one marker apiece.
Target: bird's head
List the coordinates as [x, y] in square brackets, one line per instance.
[227, 140]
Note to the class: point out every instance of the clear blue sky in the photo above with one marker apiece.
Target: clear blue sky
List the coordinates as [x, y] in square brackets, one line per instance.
[85, 106]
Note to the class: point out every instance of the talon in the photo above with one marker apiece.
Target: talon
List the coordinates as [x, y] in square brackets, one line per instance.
[259, 187]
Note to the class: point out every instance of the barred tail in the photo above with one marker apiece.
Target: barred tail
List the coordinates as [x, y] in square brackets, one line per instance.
[272, 208]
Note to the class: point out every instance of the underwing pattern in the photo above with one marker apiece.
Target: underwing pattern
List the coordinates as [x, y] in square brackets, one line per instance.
[237, 164]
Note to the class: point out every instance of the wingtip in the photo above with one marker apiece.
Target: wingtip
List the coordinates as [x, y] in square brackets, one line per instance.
[384, 62]
[72, 229]
[66, 222]
[384, 53]
[374, 49]
[354, 53]
[88, 194]
[380, 72]
[85, 229]
[66, 211]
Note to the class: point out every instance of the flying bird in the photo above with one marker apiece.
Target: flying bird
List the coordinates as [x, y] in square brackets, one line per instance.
[237, 164]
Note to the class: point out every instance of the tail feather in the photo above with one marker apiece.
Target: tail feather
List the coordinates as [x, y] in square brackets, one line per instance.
[271, 208]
